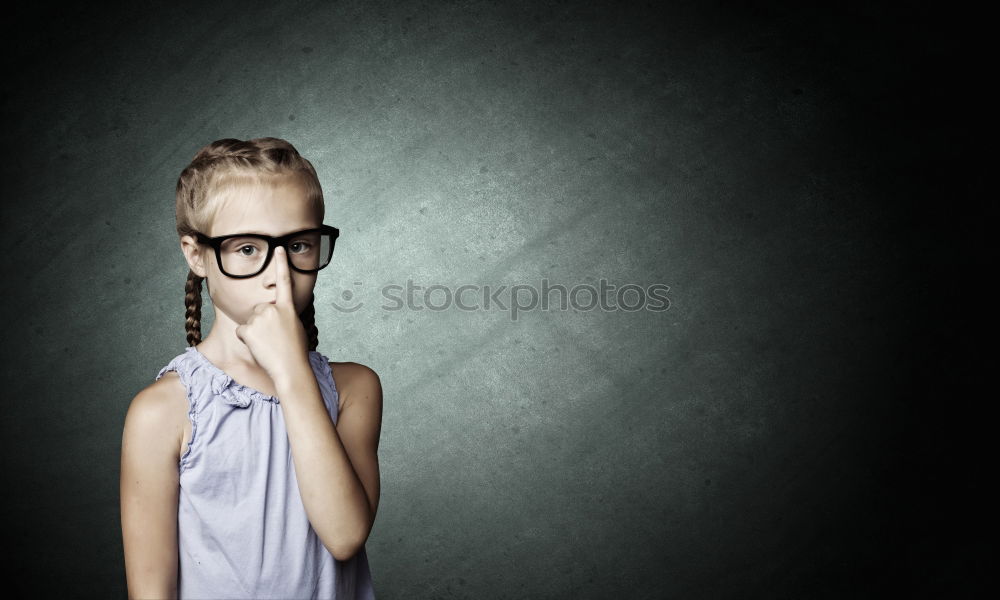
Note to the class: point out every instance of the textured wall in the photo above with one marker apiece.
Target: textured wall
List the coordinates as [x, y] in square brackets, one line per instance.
[765, 436]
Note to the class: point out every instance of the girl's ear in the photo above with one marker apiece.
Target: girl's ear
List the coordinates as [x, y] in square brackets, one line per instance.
[194, 254]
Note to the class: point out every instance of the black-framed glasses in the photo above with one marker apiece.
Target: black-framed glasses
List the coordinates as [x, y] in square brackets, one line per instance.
[243, 255]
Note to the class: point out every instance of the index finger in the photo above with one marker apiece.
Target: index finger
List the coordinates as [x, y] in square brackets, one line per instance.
[283, 277]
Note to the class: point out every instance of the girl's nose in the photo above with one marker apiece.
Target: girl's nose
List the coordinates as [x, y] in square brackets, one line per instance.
[271, 272]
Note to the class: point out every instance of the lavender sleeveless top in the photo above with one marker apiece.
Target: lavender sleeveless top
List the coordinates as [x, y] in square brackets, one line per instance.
[242, 530]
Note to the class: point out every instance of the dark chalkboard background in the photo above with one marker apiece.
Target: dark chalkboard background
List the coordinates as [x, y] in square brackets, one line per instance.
[805, 420]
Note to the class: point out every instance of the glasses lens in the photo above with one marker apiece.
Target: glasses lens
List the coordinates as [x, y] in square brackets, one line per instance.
[243, 255]
[310, 251]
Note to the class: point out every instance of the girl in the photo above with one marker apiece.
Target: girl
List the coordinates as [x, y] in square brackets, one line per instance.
[249, 467]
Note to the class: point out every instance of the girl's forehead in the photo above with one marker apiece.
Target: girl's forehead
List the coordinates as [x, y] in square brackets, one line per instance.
[263, 208]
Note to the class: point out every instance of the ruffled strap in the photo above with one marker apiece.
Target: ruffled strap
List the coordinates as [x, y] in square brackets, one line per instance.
[235, 393]
[327, 385]
[321, 365]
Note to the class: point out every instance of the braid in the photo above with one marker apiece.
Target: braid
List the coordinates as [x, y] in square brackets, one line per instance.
[308, 317]
[192, 304]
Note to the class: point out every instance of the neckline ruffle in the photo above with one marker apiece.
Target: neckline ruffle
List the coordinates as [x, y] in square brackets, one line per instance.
[231, 391]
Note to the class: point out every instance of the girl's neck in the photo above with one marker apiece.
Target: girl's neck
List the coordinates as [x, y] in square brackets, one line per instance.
[227, 353]
[238, 362]
[223, 348]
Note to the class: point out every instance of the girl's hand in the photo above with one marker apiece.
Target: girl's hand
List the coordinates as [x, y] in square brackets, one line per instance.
[274, 333]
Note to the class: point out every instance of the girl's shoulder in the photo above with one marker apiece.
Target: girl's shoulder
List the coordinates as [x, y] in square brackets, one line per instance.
[354, 379]
[159, 410]
[166, 391]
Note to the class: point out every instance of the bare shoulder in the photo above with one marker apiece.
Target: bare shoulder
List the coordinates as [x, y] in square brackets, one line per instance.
[159, 410]
[356, 382]
[161, 397]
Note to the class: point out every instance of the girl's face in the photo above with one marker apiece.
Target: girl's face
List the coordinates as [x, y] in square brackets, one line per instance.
[270, 208]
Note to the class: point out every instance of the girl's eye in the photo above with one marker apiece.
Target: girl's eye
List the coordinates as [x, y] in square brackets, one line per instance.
[242, 248]
[299, 247]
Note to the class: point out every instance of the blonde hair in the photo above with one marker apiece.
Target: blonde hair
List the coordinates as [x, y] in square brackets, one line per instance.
[220, 167]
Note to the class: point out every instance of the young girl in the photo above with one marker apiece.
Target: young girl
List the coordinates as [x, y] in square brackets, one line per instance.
[249, 467]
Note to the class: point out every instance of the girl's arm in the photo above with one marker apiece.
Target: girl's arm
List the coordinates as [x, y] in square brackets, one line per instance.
[359, 423]
[151, 443]
[336, 467]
